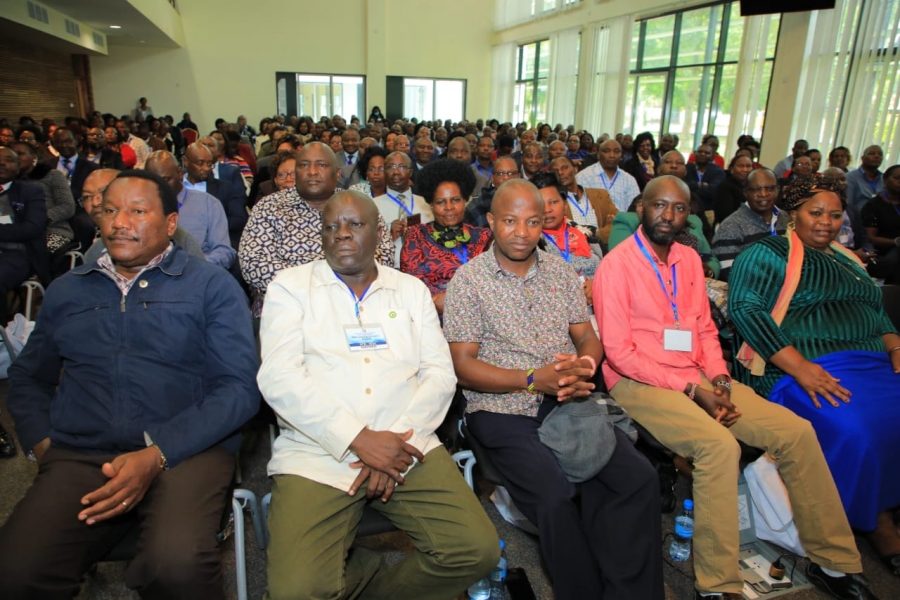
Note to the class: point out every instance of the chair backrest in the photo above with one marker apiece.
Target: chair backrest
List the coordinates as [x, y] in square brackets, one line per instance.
[190, 135]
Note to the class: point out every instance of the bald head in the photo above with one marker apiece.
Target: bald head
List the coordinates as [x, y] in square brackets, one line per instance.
[198, 160]
[672, 163]
[212, 144]
[516, 220]
[666, 185]
[163, 163]
[516, 190]
[350, 233]
[92, 192]
[834, 173]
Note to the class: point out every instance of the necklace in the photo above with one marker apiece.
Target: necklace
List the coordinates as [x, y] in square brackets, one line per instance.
[450, 237]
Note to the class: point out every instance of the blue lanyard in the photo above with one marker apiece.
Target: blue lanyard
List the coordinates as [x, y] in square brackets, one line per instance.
[574, 200]
[699, 176]
[565, 253]
[662, 284]
[603, 180]
[356, 300]
[401, 205]
[462, 252]
[775, 213]
[872, 184]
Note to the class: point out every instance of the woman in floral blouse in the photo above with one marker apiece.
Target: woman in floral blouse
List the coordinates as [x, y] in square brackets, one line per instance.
[432, 252]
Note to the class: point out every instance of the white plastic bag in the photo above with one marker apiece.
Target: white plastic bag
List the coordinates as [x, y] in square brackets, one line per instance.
[772, 512]
[17, 332]
[503, 501]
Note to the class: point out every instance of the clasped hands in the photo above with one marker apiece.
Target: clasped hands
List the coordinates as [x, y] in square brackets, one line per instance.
[130, 476]
[717, 402]
[383, 458]
[566, 379]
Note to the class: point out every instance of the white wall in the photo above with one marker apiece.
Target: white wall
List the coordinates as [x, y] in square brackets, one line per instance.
[233, 49]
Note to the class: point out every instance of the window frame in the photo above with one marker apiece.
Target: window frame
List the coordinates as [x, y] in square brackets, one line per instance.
[292, 82]
[434, 96]
[535, 80]
[670, 72]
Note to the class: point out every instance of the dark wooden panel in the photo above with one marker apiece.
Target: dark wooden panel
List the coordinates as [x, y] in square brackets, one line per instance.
[39, 82]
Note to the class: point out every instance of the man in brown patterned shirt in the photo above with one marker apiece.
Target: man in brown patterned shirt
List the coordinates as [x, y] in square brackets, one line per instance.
[522, 341]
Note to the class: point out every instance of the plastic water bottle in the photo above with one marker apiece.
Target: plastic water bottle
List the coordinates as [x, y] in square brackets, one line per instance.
[481, 589]
[680, 550]
[498, 575]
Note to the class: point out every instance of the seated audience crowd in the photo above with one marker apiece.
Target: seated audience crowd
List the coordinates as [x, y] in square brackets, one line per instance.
[384, 272]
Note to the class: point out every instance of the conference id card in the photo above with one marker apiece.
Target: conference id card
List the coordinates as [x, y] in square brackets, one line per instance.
[679, 340]
[362, 338]
[5, 220]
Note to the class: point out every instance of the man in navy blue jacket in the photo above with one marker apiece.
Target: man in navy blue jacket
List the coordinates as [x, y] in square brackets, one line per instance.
[138, 427]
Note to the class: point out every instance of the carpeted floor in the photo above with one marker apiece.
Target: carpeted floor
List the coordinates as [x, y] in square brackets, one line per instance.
[522, 549]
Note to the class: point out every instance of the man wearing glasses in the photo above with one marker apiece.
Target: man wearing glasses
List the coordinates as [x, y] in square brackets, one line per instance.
[505, 168]
[399, 206]
[98, 153]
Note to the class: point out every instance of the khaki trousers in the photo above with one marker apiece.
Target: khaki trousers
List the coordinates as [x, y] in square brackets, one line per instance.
[686, 429]
[312, 527]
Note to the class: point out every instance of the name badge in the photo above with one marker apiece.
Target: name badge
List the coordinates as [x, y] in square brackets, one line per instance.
[361, 338]
[679, 340]
[5, 220]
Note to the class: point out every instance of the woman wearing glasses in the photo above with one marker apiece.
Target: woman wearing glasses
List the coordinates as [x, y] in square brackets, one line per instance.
[370, 166]
[433, 251]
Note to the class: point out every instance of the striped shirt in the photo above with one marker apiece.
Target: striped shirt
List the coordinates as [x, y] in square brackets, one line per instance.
[742, 228]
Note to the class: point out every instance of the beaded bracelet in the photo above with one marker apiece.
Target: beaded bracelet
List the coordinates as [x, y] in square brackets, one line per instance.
[693, 391]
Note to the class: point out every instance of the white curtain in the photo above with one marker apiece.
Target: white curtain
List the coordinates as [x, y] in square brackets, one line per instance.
[513, 12]
[563, 77]
[608, 75]
[849, 87]
[749, 104]
[871, 112]
[503, 81]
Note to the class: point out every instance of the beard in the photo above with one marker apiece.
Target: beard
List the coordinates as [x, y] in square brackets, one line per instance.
[659, 238]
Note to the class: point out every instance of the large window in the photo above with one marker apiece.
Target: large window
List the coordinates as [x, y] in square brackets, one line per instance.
[684, 70]
[430, 99]
[321, 95]
[530, 100]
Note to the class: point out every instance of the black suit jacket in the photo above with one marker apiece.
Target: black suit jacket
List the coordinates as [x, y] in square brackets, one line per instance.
[29, 225]
[109, 159]
[235, 204]
[83, 168]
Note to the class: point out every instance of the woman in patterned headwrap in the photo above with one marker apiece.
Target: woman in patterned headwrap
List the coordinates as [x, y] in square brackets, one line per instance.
[815, 330]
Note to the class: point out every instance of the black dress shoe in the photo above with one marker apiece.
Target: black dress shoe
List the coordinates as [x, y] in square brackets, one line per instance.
[7, 445]
[849, 587]
[892, 562]
[723, 596]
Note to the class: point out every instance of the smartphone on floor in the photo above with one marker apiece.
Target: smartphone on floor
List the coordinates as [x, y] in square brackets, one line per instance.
[518, 586]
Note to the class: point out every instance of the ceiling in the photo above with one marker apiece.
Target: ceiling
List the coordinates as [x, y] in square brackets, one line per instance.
[136, 29]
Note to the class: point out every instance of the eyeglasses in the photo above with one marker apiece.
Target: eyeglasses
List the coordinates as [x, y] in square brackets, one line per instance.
[283, 176]
[96, 135]
[401, 168]
[375, 170]
[769, 189]
[505, 174]
[89, 197]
